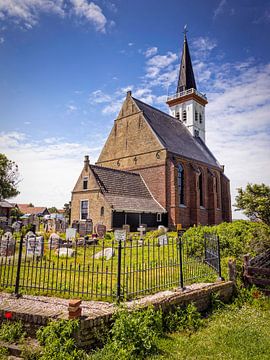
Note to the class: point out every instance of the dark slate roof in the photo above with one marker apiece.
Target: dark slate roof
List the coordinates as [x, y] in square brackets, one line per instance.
[174, 135]
[186, 79]
[125, 191]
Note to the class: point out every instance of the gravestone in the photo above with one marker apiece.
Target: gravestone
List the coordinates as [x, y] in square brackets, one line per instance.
[54, 241]
[162, 229]
[162, 240]
[35, 245]
[107, 253]
[66, 252]
[120, 235]
[100, 229]
[7, 246]
[126, 227]
[17, 226]
[71, 234]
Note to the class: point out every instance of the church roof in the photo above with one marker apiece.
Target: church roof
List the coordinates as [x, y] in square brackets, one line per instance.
[174, 135]
[186, 79]
[125, 191]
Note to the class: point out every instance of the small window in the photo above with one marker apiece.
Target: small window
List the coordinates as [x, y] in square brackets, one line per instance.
[84, 210]
[200, 118]
[158, 217]
[184, 115]
[196, 133]
[177, 115]
[102, 211]
[196, 116]
[85, 183]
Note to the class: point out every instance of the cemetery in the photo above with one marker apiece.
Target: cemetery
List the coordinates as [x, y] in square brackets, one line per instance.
[104, 265]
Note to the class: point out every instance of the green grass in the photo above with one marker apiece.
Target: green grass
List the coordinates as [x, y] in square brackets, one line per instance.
[230, 334]
[143, 267]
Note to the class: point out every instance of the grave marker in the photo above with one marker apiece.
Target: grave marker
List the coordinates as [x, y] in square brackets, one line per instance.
[100, 229]
[120, 235]
[7, 246]
[70, 233]
[162, 240]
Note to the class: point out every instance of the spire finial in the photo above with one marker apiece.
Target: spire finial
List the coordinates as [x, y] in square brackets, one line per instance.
[185, 32]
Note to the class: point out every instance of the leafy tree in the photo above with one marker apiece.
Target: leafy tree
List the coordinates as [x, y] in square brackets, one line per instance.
[9, 178]
[255, 202]
[31, 205]
[53, 210]
[67, 209]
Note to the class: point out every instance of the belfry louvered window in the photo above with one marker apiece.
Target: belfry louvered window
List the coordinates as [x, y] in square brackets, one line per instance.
[180, 181]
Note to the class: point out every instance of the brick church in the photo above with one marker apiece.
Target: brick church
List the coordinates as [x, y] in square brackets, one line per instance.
[156, 168]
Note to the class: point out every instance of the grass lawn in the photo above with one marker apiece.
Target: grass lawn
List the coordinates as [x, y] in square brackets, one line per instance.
[232, 333]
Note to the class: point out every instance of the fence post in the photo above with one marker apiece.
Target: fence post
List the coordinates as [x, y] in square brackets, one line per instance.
[180, 259]
[17, 283]
[219, 266]
[118, 293]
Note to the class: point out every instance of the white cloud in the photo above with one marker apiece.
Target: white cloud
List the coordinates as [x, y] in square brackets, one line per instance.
[130, 44]
[71, 108]
[151, 51]
[2, 40]
[48, 168]
[28, 12]
[99, 97]
[220, 9]
[203, 46]
[91, 12]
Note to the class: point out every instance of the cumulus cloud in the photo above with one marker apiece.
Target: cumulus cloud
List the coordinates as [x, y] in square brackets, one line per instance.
[151, 51]
[91, 12]
[48, 168]
[99, 97]
[203, 46]
[27, 12]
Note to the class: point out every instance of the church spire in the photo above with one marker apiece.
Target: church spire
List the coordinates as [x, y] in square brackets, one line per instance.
[186, 79]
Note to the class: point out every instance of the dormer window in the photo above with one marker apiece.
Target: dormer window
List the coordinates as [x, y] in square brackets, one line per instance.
[184, 115]
[85, 183]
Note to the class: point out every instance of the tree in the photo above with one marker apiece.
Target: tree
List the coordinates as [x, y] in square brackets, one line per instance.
[9, 178]
[53, 210]
[255, 202]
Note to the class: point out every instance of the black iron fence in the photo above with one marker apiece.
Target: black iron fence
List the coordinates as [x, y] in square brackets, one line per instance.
[105, 269]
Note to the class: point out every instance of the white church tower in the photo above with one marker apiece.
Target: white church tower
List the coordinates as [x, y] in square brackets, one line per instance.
[188, 104]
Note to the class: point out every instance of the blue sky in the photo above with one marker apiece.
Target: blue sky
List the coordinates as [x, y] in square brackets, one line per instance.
[66, 65]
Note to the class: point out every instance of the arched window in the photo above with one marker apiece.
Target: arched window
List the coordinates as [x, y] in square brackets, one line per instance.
[196, 116]
[180, 183]
[200, 118]
[177, 115]
[184, 115]
[217, 190]
[200, 185]
[102, 211]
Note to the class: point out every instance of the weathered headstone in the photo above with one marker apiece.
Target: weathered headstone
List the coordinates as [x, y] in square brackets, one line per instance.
[66, 252]
[142, 231]
[54, 241]
[70, 234]
[126, 227]
[35, 246]
[162, 229]
[162, 240]
[100, 229]
[107, 253]
[7, 246]
[120, 235]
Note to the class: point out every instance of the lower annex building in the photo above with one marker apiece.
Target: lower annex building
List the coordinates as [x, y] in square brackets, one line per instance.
[155, 168]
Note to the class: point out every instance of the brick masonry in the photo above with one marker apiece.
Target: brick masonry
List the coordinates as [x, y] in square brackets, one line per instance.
[36, 311]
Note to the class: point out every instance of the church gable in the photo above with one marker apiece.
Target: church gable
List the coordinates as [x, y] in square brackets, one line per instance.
[130, 137]
[86, 180]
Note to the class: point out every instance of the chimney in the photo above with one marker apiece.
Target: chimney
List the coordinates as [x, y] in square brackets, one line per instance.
[129, 93]
[86, 162]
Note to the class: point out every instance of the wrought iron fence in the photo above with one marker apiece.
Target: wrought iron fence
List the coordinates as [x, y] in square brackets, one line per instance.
[106, 269]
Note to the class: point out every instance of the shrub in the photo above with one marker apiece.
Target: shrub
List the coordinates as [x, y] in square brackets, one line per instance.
[58, 341]
[12, 331]
[133, 335]
[236, 238]
[183, 319]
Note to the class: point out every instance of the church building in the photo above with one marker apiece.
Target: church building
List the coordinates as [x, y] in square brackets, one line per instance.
[155, 168]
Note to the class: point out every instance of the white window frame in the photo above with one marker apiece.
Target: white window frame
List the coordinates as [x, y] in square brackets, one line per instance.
[159, 217]
[88, 213]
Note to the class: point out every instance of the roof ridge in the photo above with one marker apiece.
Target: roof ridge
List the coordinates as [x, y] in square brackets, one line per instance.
[118, 170]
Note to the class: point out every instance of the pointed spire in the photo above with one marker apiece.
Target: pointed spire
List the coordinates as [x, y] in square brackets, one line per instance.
[186, 79]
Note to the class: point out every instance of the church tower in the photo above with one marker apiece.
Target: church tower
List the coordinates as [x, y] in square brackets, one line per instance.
[188, 104]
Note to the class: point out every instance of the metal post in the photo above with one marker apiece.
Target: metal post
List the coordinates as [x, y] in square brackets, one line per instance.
[118, 294]
[219, 266]
[180, 260]
[17, 284]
